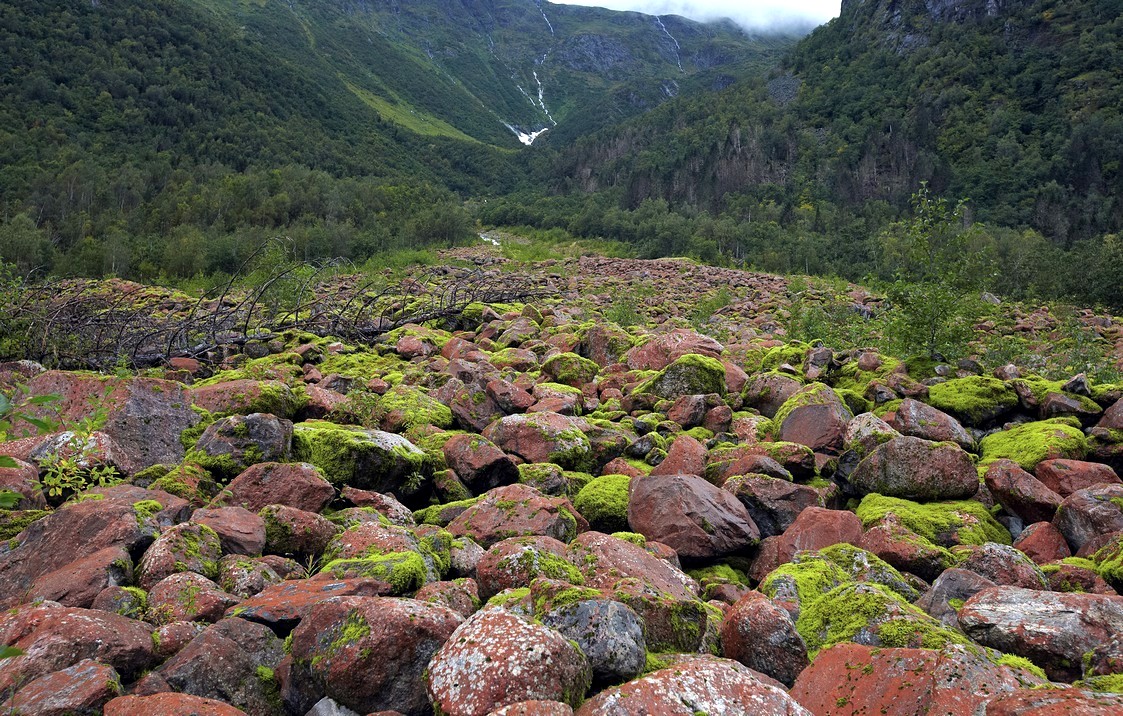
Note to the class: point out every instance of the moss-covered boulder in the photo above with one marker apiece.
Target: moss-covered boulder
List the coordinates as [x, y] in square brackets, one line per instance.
[604, 503]
[244, 396]
[976, 401]
[815, 416]
[1032, 443]
[917, 469]
[692, 374]
[544, 437]
[570, 369]
[942, 523]
[404, 406]
[870, 614]
[366, 459]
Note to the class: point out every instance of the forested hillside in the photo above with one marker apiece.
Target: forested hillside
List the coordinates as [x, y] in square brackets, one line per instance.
[171, 136]
[1017, 108]
[1012, 105]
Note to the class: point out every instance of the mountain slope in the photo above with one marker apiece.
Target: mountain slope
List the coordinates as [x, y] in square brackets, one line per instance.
[494, 69]
[129, 119]
[1015, 104]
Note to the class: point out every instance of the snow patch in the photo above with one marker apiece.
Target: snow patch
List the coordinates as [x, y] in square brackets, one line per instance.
[525, 137]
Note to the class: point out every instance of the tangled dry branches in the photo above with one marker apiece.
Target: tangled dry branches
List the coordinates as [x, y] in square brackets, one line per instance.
[99, 325]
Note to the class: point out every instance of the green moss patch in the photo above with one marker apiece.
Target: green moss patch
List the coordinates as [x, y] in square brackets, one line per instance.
[570, 369]
[417, 407]
[691, 374]
[604, 503]
[404, 571]
[942, 523]
[976, 400]
[1032, 443]
[367, 459]
[870, 613]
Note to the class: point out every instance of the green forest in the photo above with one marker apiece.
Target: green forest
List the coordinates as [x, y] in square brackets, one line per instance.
[164, 141]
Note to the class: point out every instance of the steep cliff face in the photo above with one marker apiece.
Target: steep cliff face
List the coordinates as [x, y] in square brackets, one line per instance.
[937, 10]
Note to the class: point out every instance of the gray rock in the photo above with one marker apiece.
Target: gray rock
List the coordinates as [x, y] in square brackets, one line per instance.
[608, 632]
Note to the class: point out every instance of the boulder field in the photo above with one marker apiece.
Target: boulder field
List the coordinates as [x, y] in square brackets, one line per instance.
[533, 510]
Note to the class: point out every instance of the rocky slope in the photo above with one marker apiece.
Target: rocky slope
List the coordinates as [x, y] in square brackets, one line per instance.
[536, 510]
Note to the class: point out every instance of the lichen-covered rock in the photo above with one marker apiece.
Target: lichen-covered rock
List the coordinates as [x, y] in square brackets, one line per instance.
[763, 637]
[187, 597]
[289, 531]
[950, 590]
[725, 462]
[1052, 702]
[768, 391]
[299, 485]
[705, 685]
[1067, 476]
[1089, 513]
[282, 606]
[1020, 492]
[132, 406]
[1042, 543]
[79, 583]
[169, 703]
[607, 560]
[370, 653]
[920, 420]
[916, 469]
[690, 515]
[185, 547]
[79, 690]
[230, 445]
[497, 658]
[691, 374]
[239, 530]
[855, 679]
[403, 406]
[1051, 629]
[244, 577]
[815, 528]
[479, 463]
[543, 437]
[54, 638]
[870, 614]
[231, 661]
[665, 348]
[815, 417]
[385, 505]
[773, 503]
[461, 595]
[904, 549]
[570, 369]
[366, 459]
[609, 634]
[1002, 565]
[244, 396]
[686, 456]
[941, 523]
[23, 478]
[517, 561]
[374, 541]
[865, 432]
[518, 510]
[128, 519]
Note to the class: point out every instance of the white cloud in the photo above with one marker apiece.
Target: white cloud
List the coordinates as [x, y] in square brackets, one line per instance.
[749, 13]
